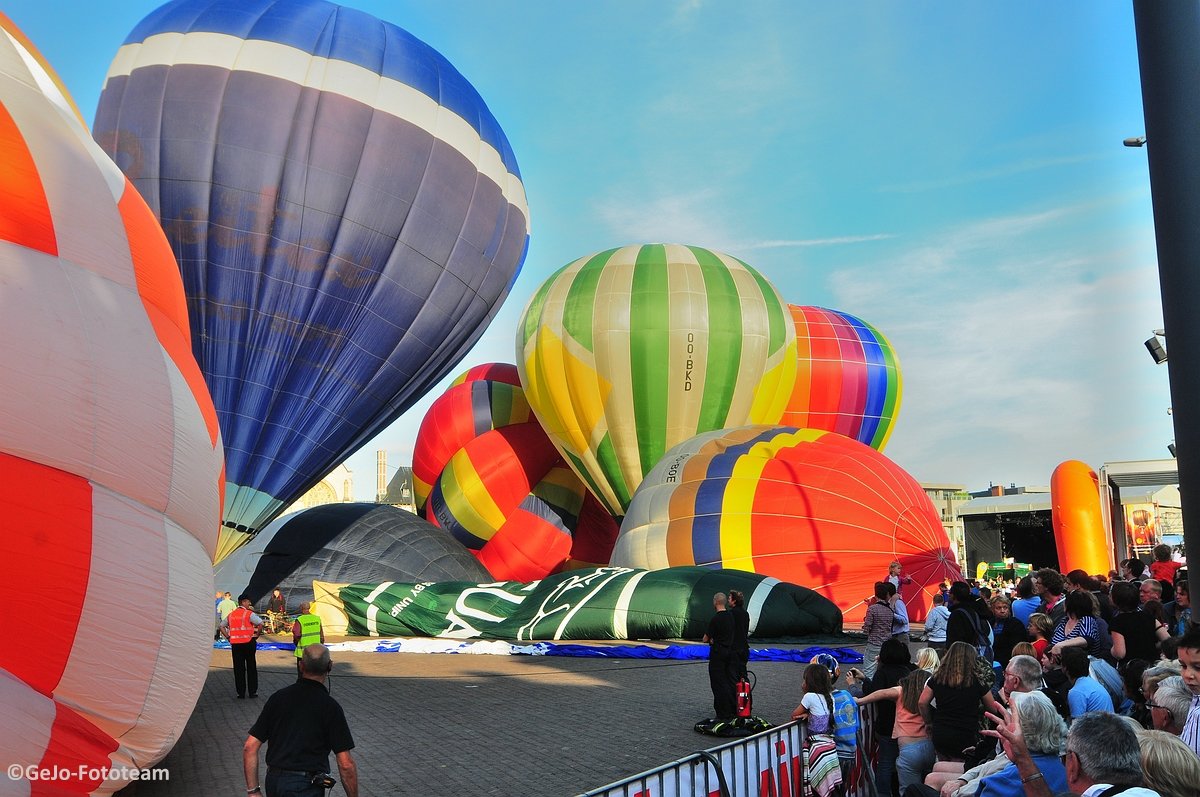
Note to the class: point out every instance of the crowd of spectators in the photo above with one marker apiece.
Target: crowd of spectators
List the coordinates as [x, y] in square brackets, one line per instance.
[1073, 684]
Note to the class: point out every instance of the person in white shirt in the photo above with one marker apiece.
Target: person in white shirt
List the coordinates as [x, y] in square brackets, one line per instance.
[900, 624]
[895, 577]
[935, 624]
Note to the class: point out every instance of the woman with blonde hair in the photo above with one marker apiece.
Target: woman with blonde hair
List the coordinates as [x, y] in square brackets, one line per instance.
[928, 660]
[959, 693]
[1006, 629]
[1169, 766]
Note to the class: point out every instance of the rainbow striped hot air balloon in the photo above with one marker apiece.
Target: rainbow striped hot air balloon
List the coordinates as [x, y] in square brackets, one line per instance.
[630, 351]
[347, 214]
[848, 380]
[110, 449]
[803, 505]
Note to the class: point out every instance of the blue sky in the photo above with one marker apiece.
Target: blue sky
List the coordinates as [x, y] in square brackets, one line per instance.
[950, 172]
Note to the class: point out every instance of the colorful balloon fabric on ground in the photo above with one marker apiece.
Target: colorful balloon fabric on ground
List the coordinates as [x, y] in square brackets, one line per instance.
[597, 603]
[111, 448]
[807, 506]
[347, 214]
[496, 483]
[848, 380]
[630, 351]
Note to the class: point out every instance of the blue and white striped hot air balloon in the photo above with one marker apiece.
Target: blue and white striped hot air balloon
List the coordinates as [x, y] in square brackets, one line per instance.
[346, 211]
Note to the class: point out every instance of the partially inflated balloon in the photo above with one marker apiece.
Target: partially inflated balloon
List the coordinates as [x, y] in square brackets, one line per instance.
[111, 448]
[347, 214]
[485, 471]
[482, 398]
[849, 378]
[628, 352]
[803, 505]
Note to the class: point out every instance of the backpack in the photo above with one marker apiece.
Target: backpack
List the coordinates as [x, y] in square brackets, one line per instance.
[983, 635]
[844, 727]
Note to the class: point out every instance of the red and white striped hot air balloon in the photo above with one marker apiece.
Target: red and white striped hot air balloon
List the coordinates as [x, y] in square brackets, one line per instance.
[109, 452]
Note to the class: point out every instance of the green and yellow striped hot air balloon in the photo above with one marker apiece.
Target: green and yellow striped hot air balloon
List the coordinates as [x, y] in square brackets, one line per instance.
[630, 351]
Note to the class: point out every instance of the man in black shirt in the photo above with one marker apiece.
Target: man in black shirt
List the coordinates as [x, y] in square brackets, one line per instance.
[301, 724]
[741, 634]
[720, 636]
[970, 618]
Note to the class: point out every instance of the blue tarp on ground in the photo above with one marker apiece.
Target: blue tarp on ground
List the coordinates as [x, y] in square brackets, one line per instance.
[223, 644]
[843, 655]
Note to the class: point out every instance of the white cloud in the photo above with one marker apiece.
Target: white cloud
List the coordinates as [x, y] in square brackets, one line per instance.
[1003, 170]
[691, 218]
[1019, 348]
[843, 239]
[698, 218]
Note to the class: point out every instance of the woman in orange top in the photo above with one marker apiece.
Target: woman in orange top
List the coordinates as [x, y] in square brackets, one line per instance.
[916, 750]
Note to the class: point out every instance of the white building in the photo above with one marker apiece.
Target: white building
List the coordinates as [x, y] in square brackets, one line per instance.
[335, 488]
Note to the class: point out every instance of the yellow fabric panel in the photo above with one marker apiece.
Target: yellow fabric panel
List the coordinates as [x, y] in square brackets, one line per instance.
[469, 500]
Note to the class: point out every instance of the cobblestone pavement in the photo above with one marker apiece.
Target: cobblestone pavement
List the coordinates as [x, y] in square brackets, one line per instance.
[454, 724]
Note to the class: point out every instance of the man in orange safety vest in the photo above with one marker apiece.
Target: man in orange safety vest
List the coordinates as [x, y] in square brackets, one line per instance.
[242, 628]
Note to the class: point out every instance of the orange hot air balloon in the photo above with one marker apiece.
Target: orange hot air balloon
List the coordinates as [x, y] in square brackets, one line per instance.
[1079, 532]
[110, 443]
[807, 506]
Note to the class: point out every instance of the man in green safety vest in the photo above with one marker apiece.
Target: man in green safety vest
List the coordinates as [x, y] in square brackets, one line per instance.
[306, 631]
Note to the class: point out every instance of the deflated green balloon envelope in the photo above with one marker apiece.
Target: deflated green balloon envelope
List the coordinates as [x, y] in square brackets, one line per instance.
[594, 603]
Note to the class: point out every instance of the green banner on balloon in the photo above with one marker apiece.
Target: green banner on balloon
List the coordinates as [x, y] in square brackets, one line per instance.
[598, 603]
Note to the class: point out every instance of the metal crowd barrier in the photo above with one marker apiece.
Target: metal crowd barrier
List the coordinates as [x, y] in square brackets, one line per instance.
[768, 764]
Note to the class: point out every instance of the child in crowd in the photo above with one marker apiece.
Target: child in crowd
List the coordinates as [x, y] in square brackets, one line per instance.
[844, 726]
[816, 706]
[935, 623]
[820, 749]
[1189, 666]
[928, 660]
[895, 577]
[1162, 568]
[1041, 628]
